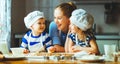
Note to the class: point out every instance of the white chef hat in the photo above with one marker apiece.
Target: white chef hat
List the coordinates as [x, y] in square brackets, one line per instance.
[32, 17]
[82, 19]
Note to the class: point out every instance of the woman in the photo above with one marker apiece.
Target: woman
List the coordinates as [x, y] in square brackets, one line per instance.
[58, 29]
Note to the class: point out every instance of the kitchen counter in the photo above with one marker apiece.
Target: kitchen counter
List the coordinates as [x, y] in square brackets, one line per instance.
[107, 37]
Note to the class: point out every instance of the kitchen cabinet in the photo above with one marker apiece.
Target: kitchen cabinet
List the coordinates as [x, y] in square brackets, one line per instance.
[107, 39]
[95, 1]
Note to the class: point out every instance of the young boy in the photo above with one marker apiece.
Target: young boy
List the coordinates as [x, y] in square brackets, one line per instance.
[80, 37]
[36, 39]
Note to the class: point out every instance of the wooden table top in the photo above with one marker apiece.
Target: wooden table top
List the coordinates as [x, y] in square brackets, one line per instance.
[39, 61]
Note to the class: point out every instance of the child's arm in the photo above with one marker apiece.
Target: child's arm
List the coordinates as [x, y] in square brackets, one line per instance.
[67, 42]
[24, 43]
[68, 45]
[93, 49]
[49, 45]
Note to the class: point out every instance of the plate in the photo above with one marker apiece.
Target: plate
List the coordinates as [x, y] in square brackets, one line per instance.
[91, 58]
[37, 57]
[12, 57]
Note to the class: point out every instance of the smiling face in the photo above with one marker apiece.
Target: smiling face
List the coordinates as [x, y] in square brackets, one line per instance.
[39, 26]
[61, 20]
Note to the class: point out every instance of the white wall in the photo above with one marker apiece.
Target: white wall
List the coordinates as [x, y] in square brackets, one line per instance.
[47, 6]
[99, 17]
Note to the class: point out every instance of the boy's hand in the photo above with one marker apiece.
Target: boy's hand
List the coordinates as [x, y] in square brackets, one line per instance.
[51, 49]
[26, 51]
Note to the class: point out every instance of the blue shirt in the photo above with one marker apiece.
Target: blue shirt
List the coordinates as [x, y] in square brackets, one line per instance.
[57, 36]
[34, 43]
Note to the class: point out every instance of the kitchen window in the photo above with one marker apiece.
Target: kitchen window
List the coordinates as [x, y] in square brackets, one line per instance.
[5, 20]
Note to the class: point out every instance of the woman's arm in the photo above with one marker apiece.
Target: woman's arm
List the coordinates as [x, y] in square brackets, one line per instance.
[59, 48]
[54, 34]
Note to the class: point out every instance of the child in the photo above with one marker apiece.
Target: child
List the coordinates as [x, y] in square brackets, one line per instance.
[80, 37]
[36, 39]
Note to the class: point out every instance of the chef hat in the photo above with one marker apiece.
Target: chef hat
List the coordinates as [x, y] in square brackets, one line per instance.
[82, 19]
[32, 17]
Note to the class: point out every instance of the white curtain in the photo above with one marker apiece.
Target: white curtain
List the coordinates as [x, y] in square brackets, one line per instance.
[5, 20]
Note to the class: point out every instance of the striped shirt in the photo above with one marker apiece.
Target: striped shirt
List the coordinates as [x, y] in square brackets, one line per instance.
[36, 43]
[86, 43]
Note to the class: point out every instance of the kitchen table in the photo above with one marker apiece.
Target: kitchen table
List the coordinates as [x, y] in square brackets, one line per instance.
[52, 58]
[37, 61]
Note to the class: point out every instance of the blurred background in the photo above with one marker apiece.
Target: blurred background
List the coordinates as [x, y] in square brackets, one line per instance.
[106, 14]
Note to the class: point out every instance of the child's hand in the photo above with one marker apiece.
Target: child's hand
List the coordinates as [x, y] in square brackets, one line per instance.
[51, 49]
[1, 56]
[26, 51]
[75, 48]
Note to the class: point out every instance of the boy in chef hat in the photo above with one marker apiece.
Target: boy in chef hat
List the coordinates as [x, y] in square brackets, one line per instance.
[80, 37]
[36, 39]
